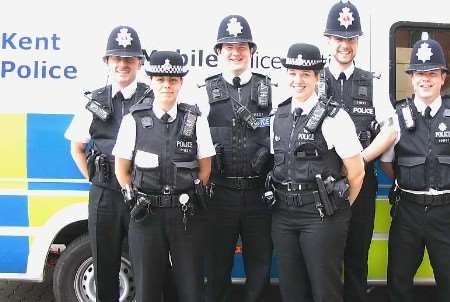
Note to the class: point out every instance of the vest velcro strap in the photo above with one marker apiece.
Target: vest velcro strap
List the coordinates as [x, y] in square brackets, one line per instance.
[187, 164]
[240, 183]
[426, 199]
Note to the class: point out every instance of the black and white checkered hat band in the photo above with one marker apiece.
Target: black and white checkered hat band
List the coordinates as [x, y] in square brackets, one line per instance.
[302, 62]
[166, 68]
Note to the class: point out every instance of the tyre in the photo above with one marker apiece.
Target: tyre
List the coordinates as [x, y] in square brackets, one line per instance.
[73, 277]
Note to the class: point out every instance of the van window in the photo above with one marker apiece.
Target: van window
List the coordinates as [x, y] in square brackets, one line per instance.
[403, 35]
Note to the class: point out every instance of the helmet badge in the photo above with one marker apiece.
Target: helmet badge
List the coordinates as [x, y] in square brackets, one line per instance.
[234, 27]
[424, 52]
[167, 66]
[124, 38]
[346, 17]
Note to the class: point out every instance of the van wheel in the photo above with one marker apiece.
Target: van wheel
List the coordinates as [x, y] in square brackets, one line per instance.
[73, 277]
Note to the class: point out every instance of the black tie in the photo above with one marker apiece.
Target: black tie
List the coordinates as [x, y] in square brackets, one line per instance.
[297, 113]
[428, 113]
[165, 118]
[119, 96]
[237, 82]
[342, 76]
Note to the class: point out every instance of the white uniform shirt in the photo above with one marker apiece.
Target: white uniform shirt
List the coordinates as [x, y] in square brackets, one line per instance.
[126, 139]
[339, 131]
[383, 107]
[389, 155]
[78, 130]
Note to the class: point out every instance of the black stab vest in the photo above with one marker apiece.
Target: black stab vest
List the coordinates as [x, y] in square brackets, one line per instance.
[240, 142]
[422, 156]
[104, 133]
[298, 154]
[356, 96]
[177, 155]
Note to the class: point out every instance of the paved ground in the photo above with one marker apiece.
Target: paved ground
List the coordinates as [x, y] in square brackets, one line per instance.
[30, 292]
[16, 291]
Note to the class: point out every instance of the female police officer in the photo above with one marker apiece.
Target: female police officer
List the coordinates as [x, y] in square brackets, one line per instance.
[168, 147]
[311, 217]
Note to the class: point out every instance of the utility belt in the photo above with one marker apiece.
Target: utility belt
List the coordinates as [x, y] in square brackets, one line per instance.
[295, 187]
[142, 203]
[163, 201]
[425, 199]
[293, 199]
[146, 203]
[327, 195]
[239, 183]
[101, 170]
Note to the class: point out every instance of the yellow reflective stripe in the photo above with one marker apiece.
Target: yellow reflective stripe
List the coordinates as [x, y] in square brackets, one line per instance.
[425, 270]
[382, 216]
[378, 260]
[13, 148]
[41, 208]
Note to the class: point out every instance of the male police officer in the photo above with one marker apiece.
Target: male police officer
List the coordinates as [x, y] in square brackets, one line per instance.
[421, 161]
[352, 87]
[312, 213]
[98, 125]
[240, 103]
[168, 147]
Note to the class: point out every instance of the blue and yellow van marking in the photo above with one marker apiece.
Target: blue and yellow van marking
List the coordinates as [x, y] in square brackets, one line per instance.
[33, 153]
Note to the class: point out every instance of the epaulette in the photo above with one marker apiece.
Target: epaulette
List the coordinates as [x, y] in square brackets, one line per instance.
[446, 104]
[141, 88]
[286, 102]
[213, 77]
[188, 107]
[141, 106]
[260, 75]
[362, 74]
[100, 91]
[399, 102]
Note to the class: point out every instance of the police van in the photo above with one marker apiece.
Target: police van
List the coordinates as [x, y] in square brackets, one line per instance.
[52, 53]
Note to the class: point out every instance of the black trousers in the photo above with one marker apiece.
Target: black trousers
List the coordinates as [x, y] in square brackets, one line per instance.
[108, 227]
[413, 228]
[234, 213]
[359, 239]
[153, 239]
[309, 253]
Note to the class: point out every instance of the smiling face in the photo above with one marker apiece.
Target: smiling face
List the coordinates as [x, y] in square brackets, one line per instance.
[166, 88]
[235, 57]
[427, 84]
[123, 70]
[302, 83]
[343, 50]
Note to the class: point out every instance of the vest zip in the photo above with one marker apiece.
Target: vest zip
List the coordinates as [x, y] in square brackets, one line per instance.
[240, 141]
[294, 123]
[164, 154]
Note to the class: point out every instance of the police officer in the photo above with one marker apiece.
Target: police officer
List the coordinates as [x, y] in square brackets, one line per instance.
[353, 88]
[163, 150]
[312, 211]
[239, 107]
[420, 158]
[94, 130]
